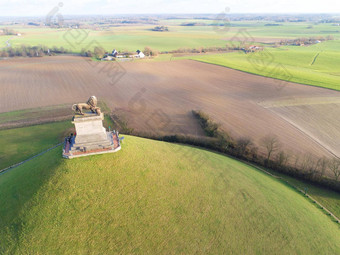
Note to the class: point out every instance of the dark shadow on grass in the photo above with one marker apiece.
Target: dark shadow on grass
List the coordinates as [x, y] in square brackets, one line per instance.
[17, 188]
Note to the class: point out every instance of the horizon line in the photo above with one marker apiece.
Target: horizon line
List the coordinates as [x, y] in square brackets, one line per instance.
[235, 13]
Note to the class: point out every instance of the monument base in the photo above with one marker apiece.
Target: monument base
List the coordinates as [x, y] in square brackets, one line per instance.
[91, 138]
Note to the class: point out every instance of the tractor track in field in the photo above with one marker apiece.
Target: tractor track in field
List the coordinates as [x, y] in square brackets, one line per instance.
[315, 57]
[312, 138]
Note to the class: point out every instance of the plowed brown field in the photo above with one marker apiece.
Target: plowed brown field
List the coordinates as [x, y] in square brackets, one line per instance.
[159, 97]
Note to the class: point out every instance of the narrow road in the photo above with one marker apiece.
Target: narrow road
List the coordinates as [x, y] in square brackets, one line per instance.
[8, 44]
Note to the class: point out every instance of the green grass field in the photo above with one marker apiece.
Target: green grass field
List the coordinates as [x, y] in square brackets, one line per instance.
[328, 198]
[156, 197]
[314, 65]
[139, 36]
[19, 144]
[120, 38]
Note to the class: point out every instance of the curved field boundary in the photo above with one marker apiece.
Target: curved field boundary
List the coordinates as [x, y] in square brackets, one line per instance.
[7, 169]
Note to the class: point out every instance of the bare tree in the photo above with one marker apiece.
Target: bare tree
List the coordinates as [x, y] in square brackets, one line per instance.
[282, 158]
[99, 52]
[297, 159]
[309, 165]
[254, 152]
[150, 52]
[322, 166]
[312, 166]
[334, 166]
[242, 144]
[271, 143]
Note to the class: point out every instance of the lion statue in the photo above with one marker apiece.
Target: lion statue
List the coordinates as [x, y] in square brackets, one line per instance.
[91, 104]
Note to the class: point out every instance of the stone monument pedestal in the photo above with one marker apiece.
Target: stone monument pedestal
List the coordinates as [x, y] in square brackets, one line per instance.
[91, 137]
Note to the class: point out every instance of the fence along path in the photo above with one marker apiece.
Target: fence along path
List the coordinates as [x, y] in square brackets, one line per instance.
[298, 189]
[7, 169]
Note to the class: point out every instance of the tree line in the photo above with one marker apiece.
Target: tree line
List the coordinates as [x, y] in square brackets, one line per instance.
[32, 51]
[8, 31]
[272, 156]
[306, 166]
[42, 50]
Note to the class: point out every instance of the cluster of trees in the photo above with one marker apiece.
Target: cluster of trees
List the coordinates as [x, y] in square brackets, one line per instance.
[32, 51]
[198, 50]
[242, 46]
[150, 52]
[161, 29]
[272, 24]
[7, 31]
[210, 128]
[33, 24]
[192, 24]
[98, 52]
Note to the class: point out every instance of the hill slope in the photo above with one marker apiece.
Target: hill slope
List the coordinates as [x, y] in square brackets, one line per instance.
[155, 197]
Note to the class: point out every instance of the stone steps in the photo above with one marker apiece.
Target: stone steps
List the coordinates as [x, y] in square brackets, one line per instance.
[93, 145]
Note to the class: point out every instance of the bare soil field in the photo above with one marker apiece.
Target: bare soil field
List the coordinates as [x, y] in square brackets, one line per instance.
[29, 117]
[158, 97]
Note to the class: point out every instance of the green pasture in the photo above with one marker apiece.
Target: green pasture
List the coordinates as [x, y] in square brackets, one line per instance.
[139, 36]
[120, 38]
[316, 65]
[19, 144]
[328, 198]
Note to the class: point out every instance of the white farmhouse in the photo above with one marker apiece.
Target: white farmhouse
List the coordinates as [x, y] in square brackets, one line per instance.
[139, 54]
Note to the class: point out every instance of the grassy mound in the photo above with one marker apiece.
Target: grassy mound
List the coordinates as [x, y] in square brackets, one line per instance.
[155, 197]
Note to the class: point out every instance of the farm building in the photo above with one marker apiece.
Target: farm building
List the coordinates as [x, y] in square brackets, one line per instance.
[107, 58]
[139, 54]
[114, 53]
